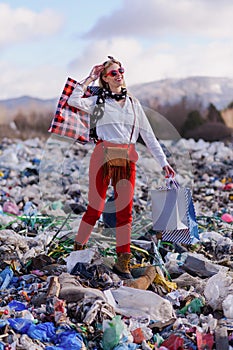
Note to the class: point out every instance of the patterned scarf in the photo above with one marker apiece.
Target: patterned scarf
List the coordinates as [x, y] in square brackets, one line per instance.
[100, 105]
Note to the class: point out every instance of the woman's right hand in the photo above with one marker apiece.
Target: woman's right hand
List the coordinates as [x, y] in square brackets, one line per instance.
[96, 70]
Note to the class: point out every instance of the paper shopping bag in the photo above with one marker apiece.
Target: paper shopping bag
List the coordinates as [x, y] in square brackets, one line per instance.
[169, 209]
[173, 214]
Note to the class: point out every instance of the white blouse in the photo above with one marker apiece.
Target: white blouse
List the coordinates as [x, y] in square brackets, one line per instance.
[116, 124]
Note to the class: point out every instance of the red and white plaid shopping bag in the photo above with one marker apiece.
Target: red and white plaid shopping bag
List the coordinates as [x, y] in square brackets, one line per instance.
[69, 121]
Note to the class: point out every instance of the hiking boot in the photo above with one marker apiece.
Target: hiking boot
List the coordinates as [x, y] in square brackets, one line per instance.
[143, 282]
[121, 267]
[78, 246]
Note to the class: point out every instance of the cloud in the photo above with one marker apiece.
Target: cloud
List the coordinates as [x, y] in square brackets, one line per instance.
[42, 81]
[213, 59]
[141, 64]
[157, 61]
[130, 34]
[156, 18]
[97, 52]
[163, 39]
[23, 25]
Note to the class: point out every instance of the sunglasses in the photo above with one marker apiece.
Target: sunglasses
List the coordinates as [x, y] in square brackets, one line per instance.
[114, 72]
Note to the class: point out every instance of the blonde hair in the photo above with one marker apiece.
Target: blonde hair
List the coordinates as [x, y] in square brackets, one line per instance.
[107, 64]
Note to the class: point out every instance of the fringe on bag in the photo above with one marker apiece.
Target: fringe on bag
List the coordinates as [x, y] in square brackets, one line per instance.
[116, 168]
[117, 173]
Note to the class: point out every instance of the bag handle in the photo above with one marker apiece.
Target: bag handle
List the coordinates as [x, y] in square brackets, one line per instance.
[170, 181]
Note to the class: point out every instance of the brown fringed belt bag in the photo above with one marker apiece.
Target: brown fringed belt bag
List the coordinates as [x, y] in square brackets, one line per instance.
[116, 158]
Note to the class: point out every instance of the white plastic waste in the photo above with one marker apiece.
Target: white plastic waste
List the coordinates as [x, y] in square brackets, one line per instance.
[227, 306]
[217, 238]
[217, 288]
[133, 302]
[84, 256]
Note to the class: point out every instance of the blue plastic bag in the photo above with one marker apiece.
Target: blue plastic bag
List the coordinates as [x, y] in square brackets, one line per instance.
[67, 340]
[44, 332]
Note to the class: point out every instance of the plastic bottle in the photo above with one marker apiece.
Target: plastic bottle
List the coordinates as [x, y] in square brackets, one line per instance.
[5, 277]
[20, 325]
[17, 305]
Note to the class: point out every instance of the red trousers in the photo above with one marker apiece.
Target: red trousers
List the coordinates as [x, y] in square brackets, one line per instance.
[123, 192]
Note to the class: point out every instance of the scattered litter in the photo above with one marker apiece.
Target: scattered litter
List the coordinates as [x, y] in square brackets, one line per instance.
[52, 298]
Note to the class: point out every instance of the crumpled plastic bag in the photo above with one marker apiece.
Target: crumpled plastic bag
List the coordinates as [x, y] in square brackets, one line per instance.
[174, 342]
[112, 332]
[204, 340]
[67, 340]
[133, 302]
[11, 208]
[217, 288]
[11, 240]
[24, 342]
[227, 306]
[46, 332]
[84, 256]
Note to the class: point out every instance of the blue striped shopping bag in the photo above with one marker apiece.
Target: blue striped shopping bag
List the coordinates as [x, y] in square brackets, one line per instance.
[173, 214]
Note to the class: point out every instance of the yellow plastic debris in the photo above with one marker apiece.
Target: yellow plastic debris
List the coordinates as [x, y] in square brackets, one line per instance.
[169, 286]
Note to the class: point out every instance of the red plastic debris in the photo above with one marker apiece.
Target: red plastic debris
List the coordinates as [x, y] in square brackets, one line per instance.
[138, 335]
[228, 187]
[11, 208]
[174, 342]
[227, 218]
[205, 341]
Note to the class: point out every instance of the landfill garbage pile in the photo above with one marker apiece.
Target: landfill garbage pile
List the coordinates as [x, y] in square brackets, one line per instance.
[52, 297]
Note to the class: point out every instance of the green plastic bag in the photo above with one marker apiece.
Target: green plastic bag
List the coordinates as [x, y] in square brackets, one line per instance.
[193, 307]
[112, 333]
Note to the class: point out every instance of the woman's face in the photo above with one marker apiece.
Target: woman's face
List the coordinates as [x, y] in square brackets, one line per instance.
[114, 77]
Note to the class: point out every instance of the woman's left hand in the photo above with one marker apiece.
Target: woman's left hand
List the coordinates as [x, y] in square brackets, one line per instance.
[169, 171]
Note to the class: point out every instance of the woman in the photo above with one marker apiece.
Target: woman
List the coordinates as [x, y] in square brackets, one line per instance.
[119, 120]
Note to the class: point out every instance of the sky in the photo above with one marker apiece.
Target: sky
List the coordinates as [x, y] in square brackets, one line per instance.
[42, 42]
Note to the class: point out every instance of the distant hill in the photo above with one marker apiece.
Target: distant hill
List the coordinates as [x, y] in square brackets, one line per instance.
[176, 98]
[23, 101]
[173, 98]
[9, 108]
[203, 90]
